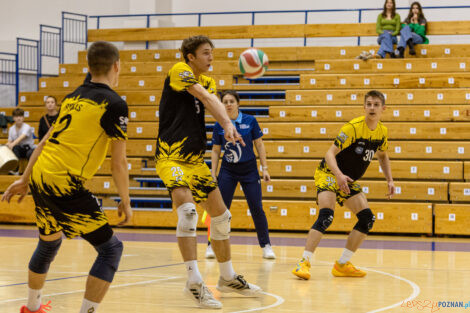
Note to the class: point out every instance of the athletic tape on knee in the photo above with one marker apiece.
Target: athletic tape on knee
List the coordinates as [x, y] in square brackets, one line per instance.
[324, 220]
[44, 255]
[107, 261]
[187, 220]
[365, 221]
[220, 226]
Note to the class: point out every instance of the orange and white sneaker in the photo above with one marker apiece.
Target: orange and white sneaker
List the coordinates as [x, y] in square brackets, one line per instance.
[42, 309]
[302, 269]
[346, 270]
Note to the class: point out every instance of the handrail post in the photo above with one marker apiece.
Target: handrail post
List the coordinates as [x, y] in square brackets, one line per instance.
[360, 20]
[17, 78]
[199, 19]
[252, 23]
[148, 25]
[306, 21]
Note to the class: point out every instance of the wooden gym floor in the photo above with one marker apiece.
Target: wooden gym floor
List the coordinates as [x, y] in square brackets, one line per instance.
[405, 274]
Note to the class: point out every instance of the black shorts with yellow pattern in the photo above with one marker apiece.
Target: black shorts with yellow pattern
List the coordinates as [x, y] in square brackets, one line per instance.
[326, 181]
[76, 213]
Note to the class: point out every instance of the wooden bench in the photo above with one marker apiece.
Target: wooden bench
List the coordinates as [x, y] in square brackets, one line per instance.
[396, 130]
[459, 192]
[277, 54]
[393, 96]
[452, 219]
[426, 65]
[407, 150]
[405, 113]
[262, 31]
[125, 83]
[379, 81]
[401, 169]
[391, 217]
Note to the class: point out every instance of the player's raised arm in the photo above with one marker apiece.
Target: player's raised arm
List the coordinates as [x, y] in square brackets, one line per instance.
[216, 108]
[384, 162]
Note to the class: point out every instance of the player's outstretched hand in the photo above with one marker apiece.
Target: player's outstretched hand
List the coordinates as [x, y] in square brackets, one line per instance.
[342, 181]
[127, 210]
[231, 135]
[391, 190]
[19, 187]
[266, 176]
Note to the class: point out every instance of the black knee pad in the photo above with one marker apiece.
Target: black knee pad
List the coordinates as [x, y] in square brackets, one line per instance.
[107, 261]
[365, 221]
[324, 220]
[44, 255]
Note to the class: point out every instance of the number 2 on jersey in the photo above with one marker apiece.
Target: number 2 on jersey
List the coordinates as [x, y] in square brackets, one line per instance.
[68, 119]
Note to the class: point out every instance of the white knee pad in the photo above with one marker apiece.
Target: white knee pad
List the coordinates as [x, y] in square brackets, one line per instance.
[220, 226]
[187, 220]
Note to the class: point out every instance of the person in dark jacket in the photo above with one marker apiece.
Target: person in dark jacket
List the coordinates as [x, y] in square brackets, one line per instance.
[49, 118]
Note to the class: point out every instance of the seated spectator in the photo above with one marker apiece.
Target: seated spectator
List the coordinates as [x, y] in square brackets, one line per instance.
[413, 31]
[49, 118]
[21, 136]
[388, 27]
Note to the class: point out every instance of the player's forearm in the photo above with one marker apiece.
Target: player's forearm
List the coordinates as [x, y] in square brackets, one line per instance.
[121, 178]
[332, 164]
[261, 153]
[216, 109]
[384, 162]
[215, 154]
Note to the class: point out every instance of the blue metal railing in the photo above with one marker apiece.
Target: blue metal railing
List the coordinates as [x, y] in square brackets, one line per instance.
[9, 71]
[253, 14]
[50, 43]
[28, 57]
[74, 30]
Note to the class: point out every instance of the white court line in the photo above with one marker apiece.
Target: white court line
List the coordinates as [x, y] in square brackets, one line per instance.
[279, 301]
[416, 290]
[83, 290]
[414, 294]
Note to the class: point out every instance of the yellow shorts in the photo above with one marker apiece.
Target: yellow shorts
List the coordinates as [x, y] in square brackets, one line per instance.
[325, 181]
[197, 177]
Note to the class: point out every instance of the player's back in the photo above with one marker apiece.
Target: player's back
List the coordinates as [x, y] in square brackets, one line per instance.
[76, 148]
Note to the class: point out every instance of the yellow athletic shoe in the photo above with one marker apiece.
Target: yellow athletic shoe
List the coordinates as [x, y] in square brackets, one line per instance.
[302, 270]
[346, 270]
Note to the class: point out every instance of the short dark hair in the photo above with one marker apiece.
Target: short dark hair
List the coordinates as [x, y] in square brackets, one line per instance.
[101, 57]
[55, 99]
[230, 92]
[190, 45]
[18, 112]
[375, 94]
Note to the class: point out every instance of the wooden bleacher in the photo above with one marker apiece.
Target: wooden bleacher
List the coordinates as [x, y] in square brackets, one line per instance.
[428, 103]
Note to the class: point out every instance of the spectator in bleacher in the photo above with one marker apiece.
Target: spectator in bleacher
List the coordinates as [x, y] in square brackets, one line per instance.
[21, 136]
[239, 166]
[413, 31]
[388, 27]
[49, 118]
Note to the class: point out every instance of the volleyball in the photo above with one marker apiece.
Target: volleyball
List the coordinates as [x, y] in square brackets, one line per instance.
[253, 63]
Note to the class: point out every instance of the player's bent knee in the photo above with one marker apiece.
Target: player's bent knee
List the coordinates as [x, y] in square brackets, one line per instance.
[365, 221]
[44, 255]
[107, 262]
[220, 226]
[187, 220]
[324, 220]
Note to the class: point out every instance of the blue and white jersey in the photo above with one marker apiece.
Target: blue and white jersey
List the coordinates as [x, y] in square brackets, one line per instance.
[248, 128]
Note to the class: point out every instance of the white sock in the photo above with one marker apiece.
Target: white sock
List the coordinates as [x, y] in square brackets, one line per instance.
[34, 299]
[347, 254]
[194, 276]
[226, 270]
[307, 255]
[89, 306]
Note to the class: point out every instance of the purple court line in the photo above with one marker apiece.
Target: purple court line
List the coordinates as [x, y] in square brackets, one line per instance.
[276, 241]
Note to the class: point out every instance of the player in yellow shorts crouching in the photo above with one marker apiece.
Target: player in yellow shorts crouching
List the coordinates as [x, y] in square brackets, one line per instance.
[335, 179]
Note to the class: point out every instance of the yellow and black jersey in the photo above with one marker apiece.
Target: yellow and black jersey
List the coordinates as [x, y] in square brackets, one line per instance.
[182, 133]
[358, 145]
[89, 118]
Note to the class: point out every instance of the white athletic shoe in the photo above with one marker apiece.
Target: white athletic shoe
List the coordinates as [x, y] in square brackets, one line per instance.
[209, 252]
[202, 296]
[268, 252]
[239, 285]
